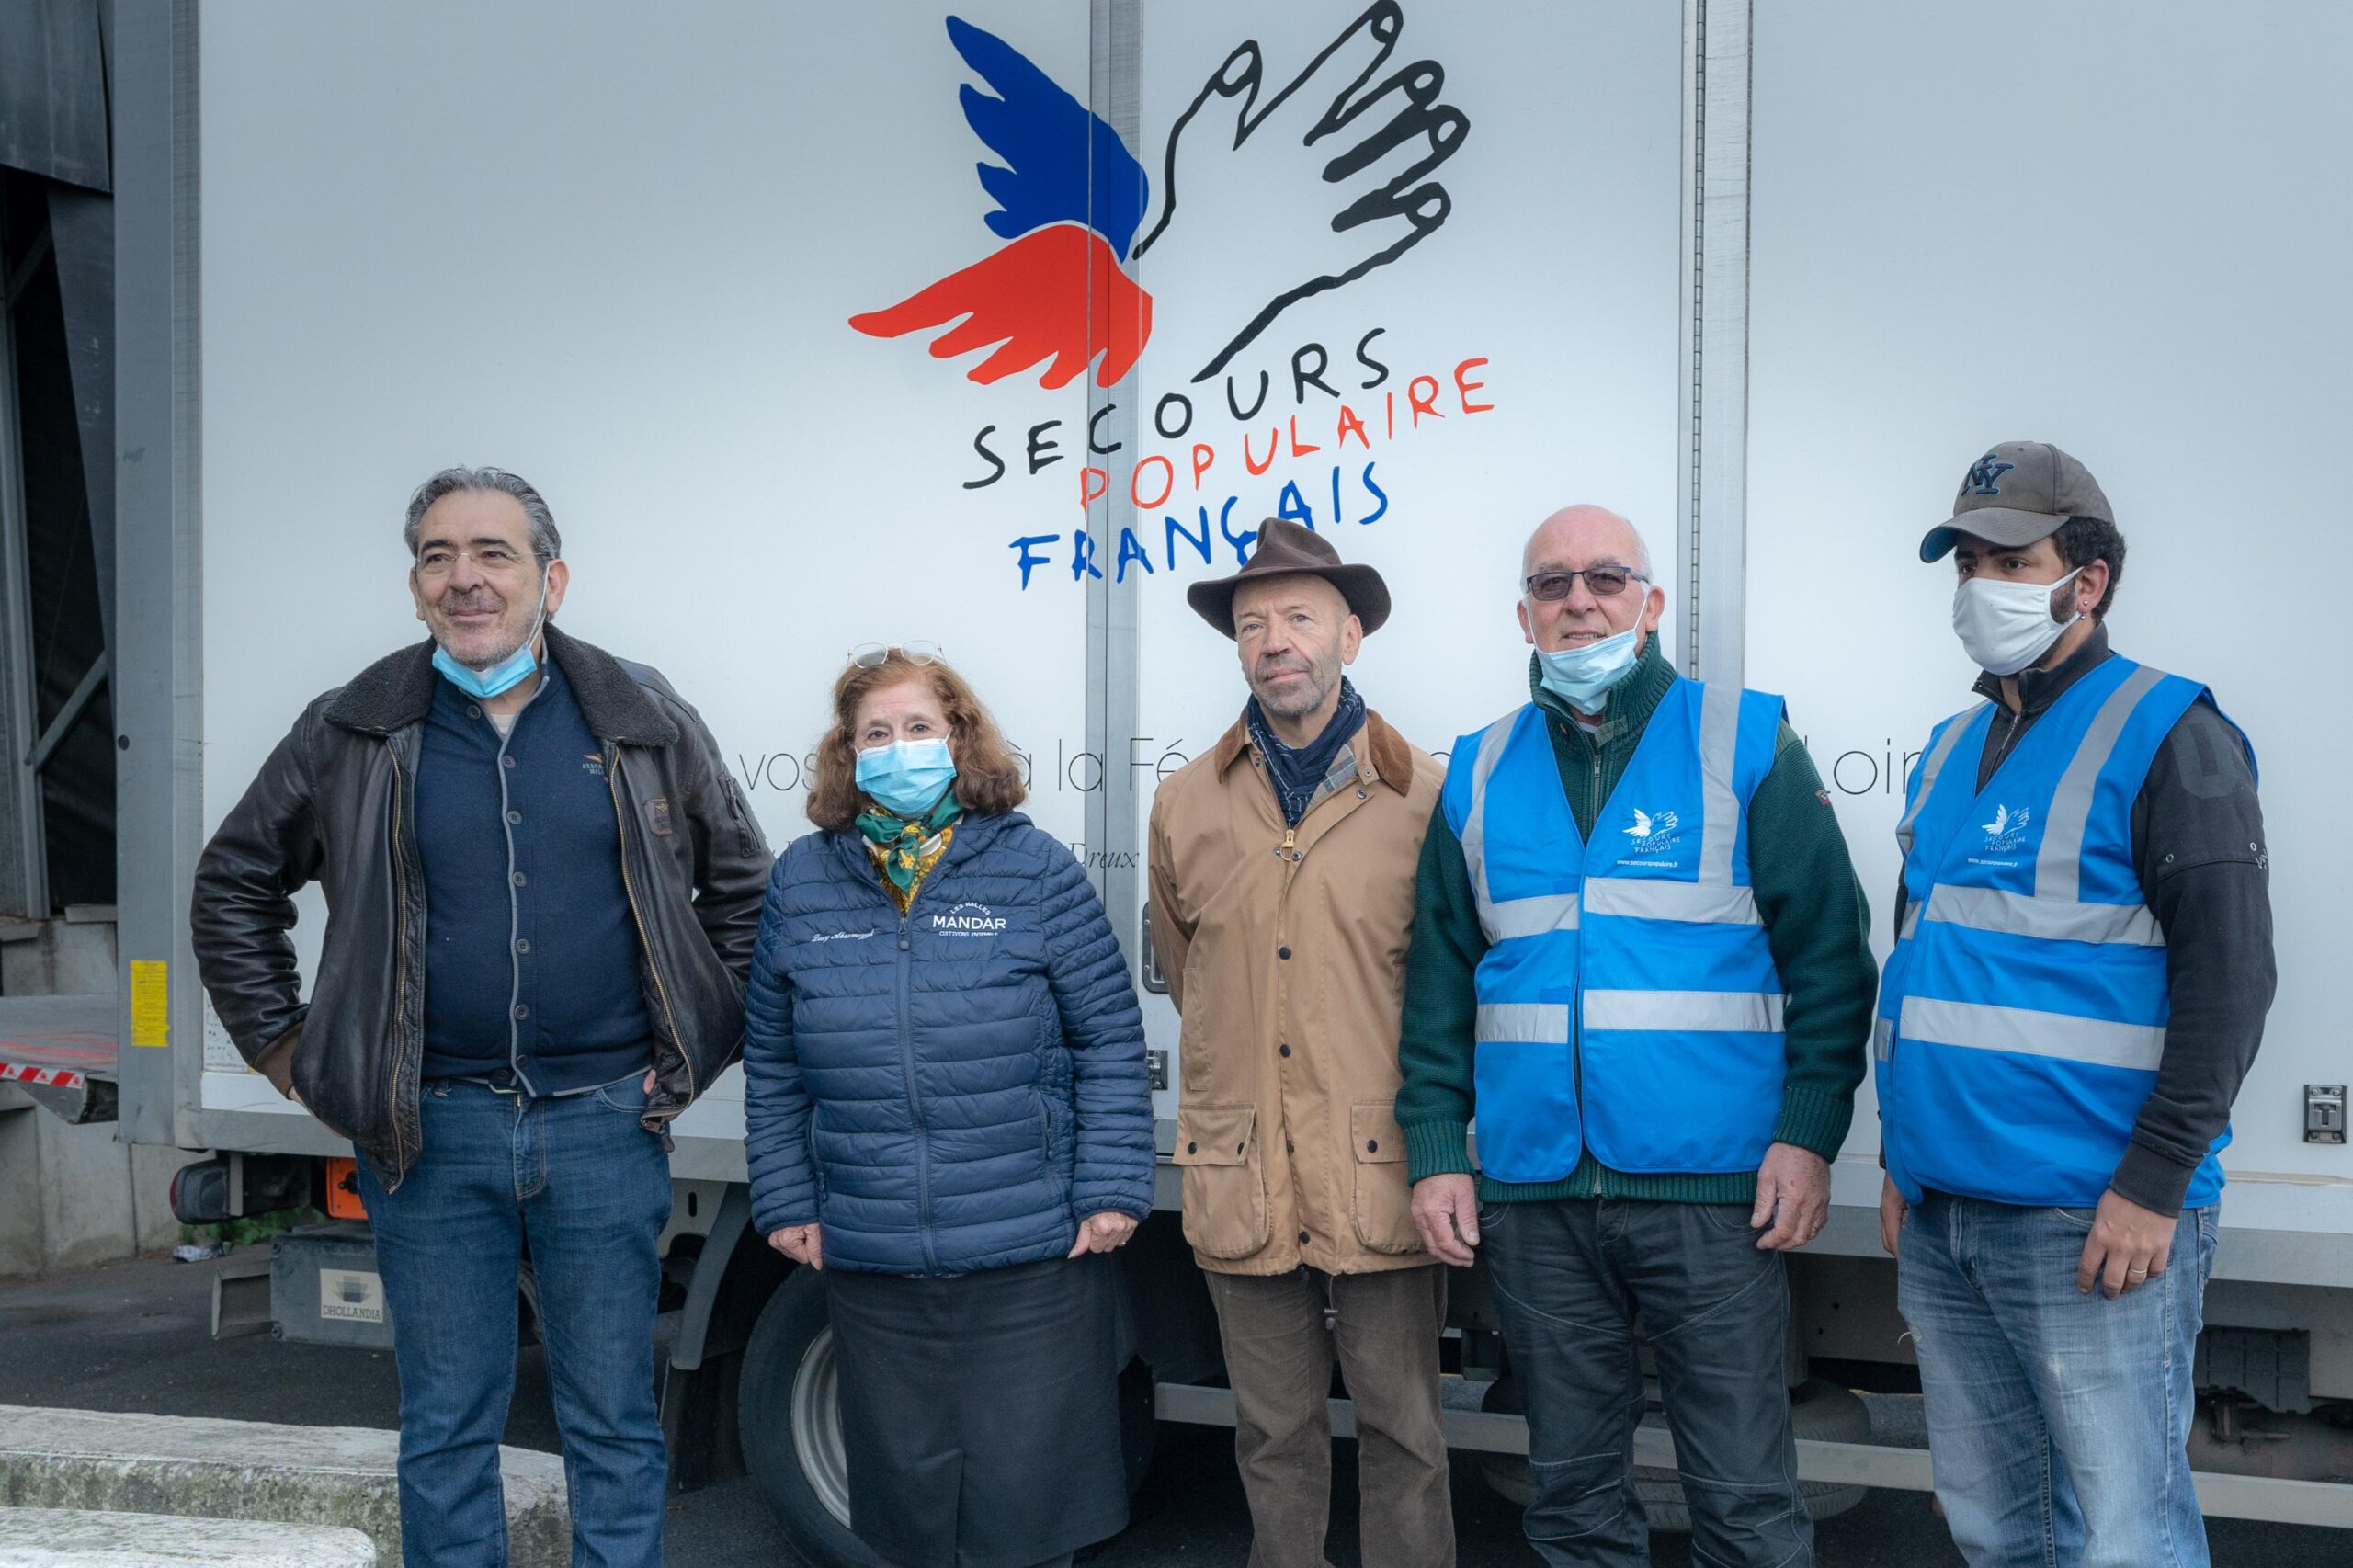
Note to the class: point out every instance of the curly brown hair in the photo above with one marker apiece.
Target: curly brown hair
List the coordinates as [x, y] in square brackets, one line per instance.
[988, 778]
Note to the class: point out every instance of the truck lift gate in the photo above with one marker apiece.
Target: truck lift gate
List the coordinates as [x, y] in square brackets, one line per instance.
[61, 1052]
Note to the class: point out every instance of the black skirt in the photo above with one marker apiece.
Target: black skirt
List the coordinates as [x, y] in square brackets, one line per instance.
[980, 1413]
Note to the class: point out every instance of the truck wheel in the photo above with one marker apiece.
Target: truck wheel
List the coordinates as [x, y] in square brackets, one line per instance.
[790, 1399]
[789, 1396]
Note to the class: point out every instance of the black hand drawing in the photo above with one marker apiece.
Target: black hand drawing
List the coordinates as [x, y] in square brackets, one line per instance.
[1403, 132]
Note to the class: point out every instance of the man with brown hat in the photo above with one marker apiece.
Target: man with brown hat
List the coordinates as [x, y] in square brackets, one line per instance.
[1282, 890]
[2082, 966]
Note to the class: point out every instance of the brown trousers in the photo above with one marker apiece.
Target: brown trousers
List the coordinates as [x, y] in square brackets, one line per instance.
[1279, 1356]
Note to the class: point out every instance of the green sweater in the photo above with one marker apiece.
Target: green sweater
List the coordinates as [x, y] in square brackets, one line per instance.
[1817, 923]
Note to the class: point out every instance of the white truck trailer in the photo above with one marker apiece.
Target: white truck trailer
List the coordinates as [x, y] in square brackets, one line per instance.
[762, 295]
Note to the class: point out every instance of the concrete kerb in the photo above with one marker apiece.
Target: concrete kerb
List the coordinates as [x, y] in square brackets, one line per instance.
[69, 1538]
[199, 1467]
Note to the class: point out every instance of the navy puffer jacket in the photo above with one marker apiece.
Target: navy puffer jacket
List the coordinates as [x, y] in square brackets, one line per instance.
[949, 1090]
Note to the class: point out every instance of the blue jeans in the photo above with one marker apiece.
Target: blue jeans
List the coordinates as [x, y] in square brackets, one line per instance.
[588, 1188]
[2057, 1419]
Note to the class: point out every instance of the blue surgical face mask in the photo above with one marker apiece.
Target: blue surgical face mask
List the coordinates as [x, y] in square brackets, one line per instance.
[503, 676]
[906, 777]
[1582, 674]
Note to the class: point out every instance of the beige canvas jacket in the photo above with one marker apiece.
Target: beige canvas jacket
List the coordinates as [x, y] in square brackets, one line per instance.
[1285, 954]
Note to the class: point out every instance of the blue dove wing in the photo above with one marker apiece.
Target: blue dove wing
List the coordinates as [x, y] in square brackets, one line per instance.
[1048, 140]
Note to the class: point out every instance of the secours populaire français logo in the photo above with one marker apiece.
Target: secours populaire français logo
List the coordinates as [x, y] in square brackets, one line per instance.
[1295, 176]
[2007, 831]
[1651, 834]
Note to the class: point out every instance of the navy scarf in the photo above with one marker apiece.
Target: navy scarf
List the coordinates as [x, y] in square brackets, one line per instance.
[1299, 773]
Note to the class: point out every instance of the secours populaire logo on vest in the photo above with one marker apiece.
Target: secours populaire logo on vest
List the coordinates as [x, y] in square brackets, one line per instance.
[968, 919]
[1650, 835]
[2006, 831]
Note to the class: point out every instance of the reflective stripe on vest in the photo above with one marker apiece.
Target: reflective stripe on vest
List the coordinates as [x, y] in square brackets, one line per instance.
[2022, 982]
[1534, 1023]
[1992, 909]
[1981, 1026]
[1652, 929]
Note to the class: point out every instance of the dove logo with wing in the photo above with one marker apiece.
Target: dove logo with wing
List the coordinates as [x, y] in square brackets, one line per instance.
[1071, 197]
[1651, 834]
[2007, 830]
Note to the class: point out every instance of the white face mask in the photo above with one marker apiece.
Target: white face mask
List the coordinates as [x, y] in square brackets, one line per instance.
[2007, 626]
[1582, 674]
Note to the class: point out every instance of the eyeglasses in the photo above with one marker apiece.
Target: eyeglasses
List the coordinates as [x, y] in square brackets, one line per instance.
[874, 655]
[1606, 583]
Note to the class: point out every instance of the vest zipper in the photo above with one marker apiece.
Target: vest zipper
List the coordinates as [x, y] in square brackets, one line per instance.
[1576, 1025]
[2009, 739]
[645, 938]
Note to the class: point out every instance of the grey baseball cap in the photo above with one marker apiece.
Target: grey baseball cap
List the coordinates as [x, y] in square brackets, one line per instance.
[2016, 493]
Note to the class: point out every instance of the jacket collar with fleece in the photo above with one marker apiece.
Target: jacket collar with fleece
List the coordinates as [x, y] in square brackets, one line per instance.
[396, 691]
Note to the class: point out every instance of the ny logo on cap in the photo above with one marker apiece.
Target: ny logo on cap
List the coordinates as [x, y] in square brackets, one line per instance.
[1984, 472]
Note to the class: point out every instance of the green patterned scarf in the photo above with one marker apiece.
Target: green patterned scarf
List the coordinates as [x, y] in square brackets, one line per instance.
[901, 840]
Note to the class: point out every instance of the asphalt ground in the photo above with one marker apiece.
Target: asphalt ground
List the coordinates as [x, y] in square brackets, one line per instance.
[137, 1337]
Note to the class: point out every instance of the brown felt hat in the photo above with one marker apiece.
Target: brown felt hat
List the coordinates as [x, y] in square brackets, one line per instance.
[1286, 550]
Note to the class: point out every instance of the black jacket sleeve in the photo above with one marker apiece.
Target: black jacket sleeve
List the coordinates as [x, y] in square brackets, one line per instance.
[2197, 841]
[243, 908]
[731, 856]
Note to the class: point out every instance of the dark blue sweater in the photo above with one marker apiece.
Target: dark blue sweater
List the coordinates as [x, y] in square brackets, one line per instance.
[531, 952]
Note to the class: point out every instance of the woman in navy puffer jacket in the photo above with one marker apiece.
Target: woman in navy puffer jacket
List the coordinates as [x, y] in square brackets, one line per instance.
[945, 1109]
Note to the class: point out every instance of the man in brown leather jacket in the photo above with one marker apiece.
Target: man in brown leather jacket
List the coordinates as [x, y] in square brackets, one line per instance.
[1282, 887]
[542, 889]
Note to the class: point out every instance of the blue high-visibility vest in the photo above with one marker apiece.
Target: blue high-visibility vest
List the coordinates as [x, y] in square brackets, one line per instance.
[2023, 1012]
[1628, 1001]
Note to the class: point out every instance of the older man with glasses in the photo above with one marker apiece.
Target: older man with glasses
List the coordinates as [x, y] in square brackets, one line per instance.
[1641, 958]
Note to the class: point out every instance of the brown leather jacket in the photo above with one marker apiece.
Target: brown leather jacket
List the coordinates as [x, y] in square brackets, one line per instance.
[1287, 965]
[335, 804]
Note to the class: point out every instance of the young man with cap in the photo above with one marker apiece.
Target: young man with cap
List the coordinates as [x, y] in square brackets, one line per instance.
[2082, 968]
[1642, 958]
[1282, 898]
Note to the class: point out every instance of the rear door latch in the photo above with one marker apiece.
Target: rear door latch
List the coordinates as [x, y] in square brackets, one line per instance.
[2323, 1113]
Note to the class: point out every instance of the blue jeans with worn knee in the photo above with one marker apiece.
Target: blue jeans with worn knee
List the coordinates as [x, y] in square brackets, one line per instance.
[587, 1189]
[2057, 1419]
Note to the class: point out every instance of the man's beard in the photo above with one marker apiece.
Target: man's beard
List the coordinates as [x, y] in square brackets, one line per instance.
[1322, 683]
[508, 642]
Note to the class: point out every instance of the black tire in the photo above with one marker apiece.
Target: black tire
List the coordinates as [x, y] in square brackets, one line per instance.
[1139, 1423]
[792, 1437]
[793, 1440]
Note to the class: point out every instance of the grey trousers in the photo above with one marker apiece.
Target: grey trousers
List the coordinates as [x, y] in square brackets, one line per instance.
[1570, 1278]
[1278, 1356]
